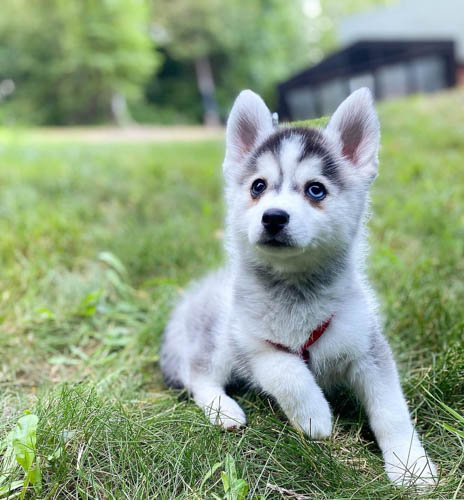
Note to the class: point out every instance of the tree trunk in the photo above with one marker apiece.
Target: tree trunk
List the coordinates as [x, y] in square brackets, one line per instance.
[120, 111]
[207, 90]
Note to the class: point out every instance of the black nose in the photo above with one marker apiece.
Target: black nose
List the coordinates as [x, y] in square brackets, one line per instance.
[274, 220]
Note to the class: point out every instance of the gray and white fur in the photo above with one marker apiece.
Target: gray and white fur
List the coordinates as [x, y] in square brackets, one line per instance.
[295, 260]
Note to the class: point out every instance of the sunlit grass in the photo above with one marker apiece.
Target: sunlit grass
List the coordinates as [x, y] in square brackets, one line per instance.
[98, 240]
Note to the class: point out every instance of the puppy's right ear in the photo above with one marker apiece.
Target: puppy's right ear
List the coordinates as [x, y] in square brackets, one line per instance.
[249, 121]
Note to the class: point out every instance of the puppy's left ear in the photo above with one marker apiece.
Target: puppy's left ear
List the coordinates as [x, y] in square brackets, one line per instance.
[356, 126]
[249, 121]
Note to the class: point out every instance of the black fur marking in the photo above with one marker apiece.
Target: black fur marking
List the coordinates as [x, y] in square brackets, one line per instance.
[331, 171]
[313, 144]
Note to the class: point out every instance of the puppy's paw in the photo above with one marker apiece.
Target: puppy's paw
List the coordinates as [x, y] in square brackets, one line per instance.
[410, 467]
[317, 428]
[316, 423]
[224, 411]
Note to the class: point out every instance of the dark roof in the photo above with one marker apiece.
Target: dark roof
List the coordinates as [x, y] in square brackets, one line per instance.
[367, 55]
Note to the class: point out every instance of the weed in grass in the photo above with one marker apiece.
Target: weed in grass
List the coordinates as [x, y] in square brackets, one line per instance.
[21, 449]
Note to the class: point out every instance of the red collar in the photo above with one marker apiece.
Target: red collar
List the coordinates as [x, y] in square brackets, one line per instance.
[315, 334]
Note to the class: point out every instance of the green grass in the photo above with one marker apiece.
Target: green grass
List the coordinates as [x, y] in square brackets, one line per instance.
[98, 240]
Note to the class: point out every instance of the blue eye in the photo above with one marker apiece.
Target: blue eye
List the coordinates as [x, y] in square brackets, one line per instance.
[316, 191]
[258, 187]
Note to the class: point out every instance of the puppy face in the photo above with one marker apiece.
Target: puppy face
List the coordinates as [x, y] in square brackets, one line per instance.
[299, 191]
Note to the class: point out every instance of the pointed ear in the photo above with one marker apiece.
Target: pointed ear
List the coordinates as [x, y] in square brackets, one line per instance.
[356, 126]
[249, 121]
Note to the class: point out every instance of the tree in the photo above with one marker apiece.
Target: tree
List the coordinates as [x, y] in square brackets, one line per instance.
[235, 44]
[75, 61]
[241, 43]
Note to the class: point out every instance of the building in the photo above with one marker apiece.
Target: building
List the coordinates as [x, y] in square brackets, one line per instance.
[388, 68]
[411, 20]
[407, 47]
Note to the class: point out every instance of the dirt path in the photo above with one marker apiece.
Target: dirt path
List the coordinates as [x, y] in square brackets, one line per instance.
[137, 133]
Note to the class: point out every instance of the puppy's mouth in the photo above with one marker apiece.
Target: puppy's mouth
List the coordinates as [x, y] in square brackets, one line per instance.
[276, 243]
[278, 247]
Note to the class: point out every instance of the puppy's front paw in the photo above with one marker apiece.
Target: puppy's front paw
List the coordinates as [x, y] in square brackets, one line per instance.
[315, 422]
[317, 428]
[224, 411]
[410, 467]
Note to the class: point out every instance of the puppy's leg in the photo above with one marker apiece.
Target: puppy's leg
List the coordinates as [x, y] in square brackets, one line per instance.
[287, 378]
[217, 405]
[375, 380]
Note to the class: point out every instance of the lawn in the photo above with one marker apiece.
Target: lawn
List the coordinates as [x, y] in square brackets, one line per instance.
[98, 240]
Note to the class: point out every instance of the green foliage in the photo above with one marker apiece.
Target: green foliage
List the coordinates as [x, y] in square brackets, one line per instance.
[97, 242]
[331, 12]
[22, 448]
[457, 418]
[251, 44]
[234, 487]
[69, 58]
[171, 95]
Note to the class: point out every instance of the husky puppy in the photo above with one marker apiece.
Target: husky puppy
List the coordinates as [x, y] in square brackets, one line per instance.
[292, 312]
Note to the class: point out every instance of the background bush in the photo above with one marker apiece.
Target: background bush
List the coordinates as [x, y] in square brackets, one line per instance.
[69, 59]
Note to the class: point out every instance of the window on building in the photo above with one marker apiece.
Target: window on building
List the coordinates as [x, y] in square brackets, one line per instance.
[393, 80]
[302, 103]
[362, 80]
[429, 73]
[331, 94]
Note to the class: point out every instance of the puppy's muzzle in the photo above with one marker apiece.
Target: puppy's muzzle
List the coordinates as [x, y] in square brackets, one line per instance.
[274, 220]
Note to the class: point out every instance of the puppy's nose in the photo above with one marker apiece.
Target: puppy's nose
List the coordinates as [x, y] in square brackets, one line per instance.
[274, 220]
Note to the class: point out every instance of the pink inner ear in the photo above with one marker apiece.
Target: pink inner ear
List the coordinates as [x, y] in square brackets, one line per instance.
[247, 133]
[352, 134]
